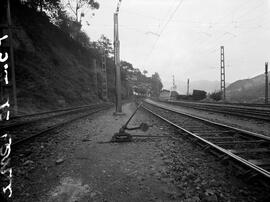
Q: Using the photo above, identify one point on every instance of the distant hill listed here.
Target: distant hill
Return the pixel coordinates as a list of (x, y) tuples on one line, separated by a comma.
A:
[(247, 90)]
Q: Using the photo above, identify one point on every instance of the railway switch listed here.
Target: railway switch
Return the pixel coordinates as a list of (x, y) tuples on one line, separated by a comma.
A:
[(123, 136)]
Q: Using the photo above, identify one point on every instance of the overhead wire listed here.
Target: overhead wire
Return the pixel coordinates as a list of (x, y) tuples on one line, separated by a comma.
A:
[(164, 27), (204, 42)]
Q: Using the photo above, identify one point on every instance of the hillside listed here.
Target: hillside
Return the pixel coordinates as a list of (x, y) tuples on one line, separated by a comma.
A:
[(247, 90), (52, 70)]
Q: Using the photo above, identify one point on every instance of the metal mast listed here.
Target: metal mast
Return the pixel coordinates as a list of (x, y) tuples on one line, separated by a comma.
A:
[(104, 76), (174, 86), (222, 73), (266, 83)]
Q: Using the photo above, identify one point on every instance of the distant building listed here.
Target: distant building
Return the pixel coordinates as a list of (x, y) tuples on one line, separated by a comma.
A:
[(164, 94), (168, 95), (173, 95)]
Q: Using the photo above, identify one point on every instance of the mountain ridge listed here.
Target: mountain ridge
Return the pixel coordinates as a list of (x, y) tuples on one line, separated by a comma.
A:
[(251, 90)]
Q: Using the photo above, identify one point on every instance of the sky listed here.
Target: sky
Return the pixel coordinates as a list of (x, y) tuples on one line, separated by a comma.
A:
[(183, 37)]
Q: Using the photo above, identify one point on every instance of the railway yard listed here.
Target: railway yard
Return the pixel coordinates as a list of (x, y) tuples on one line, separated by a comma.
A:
[(162, 120), (189, 153)]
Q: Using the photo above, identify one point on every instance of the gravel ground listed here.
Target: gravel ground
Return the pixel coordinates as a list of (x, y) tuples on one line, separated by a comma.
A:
[(262, 127), (77, 163)]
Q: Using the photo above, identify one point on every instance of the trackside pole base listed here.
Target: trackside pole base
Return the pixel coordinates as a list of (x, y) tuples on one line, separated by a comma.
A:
[(122, 135), (119, 114)]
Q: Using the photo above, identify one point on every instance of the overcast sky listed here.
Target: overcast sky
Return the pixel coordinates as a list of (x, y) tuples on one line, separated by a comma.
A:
[(183, 37)]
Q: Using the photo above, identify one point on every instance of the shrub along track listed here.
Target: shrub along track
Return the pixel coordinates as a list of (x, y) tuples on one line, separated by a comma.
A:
[(26, 128), (259, 112), (244, 150)]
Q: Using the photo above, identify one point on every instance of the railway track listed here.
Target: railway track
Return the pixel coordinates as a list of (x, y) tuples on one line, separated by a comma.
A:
[(249, 152), (27, 130), (31, 118), (259, 113), (48, 112)]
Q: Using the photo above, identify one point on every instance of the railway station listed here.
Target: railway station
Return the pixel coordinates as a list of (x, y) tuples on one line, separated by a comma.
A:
[(97, 104)]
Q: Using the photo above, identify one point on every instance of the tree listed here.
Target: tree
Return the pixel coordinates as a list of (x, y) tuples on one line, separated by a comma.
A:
[(216, 96), (83, 39), (127, 66), (156, 84), (145, 72), (105, 44), (76, 7), (67, 24), (43, 4), (49, 4)]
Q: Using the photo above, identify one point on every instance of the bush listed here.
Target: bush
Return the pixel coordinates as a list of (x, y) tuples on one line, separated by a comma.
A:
[(216, 96)]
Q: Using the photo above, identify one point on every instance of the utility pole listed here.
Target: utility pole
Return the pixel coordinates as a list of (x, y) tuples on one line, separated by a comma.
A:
[(95, 76), (266, 83), (222, 74), (173, 87), (117, 65), (104, 76), (188, 87)]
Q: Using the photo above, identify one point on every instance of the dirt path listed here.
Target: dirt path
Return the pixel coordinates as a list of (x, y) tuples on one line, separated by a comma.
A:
[(77, 166)]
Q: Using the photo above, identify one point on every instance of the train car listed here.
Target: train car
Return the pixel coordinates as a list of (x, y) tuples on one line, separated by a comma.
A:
[(198, 94)]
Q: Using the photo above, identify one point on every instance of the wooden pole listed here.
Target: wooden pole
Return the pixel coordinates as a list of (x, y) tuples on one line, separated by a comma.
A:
[(95, 76)]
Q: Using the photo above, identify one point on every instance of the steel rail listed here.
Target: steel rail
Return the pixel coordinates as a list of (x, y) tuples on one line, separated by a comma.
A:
[(50, 111), (229, 104), (53, 111), (62, 112), (252, 166), (214, 123)]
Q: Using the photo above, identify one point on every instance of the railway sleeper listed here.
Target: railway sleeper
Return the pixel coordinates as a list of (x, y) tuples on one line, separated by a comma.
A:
[(243, 168), (260, 162), (206, 147), (248, 151), (212, 138), (241, 142), (246, 174)]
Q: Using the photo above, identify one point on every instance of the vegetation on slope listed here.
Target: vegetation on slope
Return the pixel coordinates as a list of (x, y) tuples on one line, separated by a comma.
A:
[(54, 62), (247, 90)]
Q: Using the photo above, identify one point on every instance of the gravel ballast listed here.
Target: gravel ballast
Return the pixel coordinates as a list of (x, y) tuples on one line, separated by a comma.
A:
[(78, 164)]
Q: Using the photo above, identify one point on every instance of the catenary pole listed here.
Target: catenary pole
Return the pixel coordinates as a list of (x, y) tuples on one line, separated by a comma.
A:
[(222, 73), (266, 83)]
